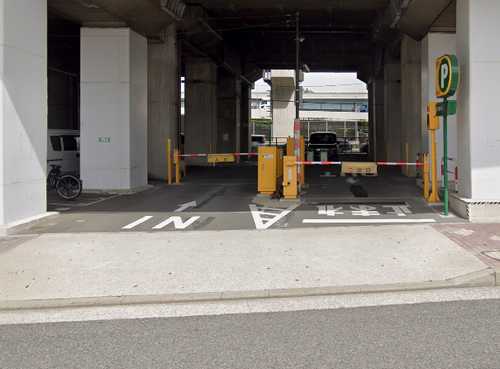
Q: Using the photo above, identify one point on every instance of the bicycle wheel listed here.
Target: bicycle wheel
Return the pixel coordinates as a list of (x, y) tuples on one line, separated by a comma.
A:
[(69, 187)]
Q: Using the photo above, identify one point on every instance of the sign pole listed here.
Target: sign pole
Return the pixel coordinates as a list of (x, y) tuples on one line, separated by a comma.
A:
[(447, 80), (445, 156)]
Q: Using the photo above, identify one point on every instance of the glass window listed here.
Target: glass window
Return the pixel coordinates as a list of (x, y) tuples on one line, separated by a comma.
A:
[(55, 141), (70, 143)]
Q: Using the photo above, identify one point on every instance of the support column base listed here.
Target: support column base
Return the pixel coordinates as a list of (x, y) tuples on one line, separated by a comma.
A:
[(474, 210)]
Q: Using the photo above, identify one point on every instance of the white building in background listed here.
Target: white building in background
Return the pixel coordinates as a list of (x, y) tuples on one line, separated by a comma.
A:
[(342, 108)]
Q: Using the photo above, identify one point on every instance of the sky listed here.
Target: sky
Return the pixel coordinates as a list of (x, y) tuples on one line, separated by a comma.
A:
[(321, 81)]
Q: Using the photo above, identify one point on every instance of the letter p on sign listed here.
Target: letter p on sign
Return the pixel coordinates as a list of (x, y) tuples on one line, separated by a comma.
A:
[(445, 73), (447, 76)]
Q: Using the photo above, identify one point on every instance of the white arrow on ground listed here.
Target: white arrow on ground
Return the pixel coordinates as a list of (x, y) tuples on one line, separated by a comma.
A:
[(187, 205)]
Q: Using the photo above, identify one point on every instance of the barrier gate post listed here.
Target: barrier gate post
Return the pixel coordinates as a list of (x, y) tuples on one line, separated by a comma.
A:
[(432, 126), (290, 180)]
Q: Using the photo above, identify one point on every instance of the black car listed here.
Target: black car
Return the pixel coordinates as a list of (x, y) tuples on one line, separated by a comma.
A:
[(323, 142)]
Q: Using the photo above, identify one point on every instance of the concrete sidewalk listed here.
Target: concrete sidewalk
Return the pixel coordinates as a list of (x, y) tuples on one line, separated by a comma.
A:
[(56, 270)]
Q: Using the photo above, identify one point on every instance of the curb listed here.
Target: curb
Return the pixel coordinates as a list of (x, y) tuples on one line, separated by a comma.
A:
[(484, 278)]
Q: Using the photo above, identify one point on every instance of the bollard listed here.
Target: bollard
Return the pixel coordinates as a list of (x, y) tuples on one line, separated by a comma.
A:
[(169, 161)]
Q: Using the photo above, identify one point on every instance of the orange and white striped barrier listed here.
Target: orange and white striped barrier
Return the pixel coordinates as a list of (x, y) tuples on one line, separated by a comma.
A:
[(379, 163), (399, 164), (237, 154), (319, 162)]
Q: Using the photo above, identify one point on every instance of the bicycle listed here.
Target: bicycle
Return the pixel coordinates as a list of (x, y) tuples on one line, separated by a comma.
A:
[(67, 186)]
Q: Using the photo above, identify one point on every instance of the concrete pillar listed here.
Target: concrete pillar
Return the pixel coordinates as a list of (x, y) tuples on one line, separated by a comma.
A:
[(283, 102), (392, 111), (114, 109), (410, 102), (376, 94), (200, 120), (229, 112), (164, 100), (246, 115), (23, 110), (433, 46), (478, 51)]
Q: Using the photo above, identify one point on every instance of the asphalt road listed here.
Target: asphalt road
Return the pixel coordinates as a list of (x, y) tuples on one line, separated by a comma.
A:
[(437, 335), (213, 203)]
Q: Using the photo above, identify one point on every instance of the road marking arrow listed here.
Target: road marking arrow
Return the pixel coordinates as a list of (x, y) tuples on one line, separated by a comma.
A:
[(187, 205)]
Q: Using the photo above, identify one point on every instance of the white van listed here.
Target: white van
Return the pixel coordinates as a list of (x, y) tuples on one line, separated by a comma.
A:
[(64, 145)]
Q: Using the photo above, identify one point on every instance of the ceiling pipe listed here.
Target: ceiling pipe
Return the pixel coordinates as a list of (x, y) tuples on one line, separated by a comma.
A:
[(209, 27), (390, 18), (174, 8), (399, 9)]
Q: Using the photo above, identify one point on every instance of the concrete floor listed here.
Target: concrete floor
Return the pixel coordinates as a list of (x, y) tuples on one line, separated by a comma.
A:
[(226, 200)]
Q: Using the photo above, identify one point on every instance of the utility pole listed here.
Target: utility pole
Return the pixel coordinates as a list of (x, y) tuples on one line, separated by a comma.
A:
[(297, 65), (296, 123)]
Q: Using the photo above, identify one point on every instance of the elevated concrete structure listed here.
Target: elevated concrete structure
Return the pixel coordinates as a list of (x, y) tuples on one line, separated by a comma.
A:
[(410, 103), (478, 129), (228, 113), (23, 110), (163, 100), (434, 45), (200, 119), (283, 107), (127, 113), (392, 111), (114, 109)]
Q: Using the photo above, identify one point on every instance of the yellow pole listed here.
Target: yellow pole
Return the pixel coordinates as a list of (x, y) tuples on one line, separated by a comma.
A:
[(177, 160), (425, 158), (169, 161), (434, 196)]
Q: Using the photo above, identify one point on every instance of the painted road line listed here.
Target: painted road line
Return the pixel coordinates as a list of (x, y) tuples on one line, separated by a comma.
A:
[(186, 206), (178, 223), (271, 215), (137, 222), (366, 221)]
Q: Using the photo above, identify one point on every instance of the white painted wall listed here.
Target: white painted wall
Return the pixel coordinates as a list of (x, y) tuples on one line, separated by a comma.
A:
[(113, 109), (23, 109), (478, 50), (435, 45)]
